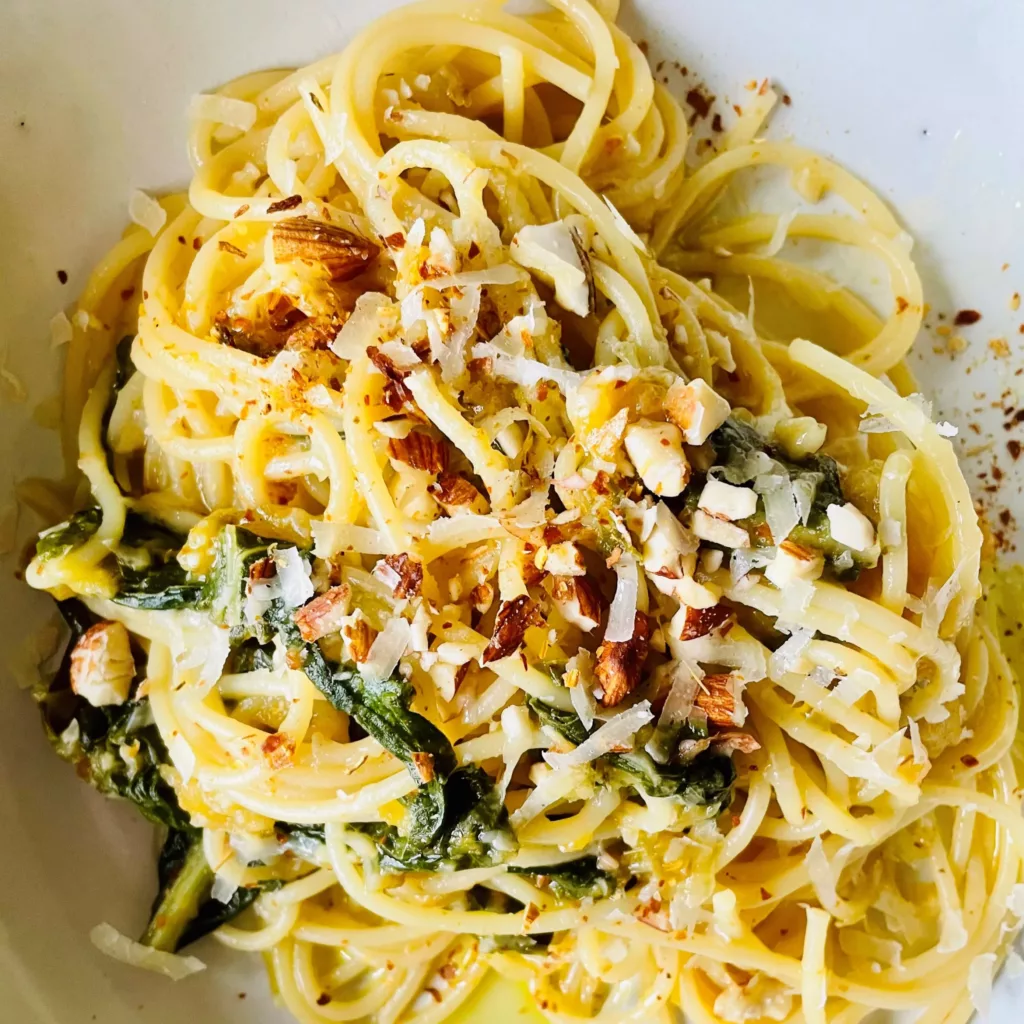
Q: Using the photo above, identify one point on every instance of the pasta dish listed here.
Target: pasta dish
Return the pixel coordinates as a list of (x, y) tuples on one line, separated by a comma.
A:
[(494, 546)]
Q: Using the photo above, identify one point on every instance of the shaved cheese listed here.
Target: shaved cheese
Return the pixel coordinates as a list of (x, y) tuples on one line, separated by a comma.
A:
[(676, 709), (523, 371), (622, 614), (778, 239), (363, 327), (854, 686), (60, 330), (616, 733), (979, 982), (789, 656), (223, 110), (1015, 901), (224, 888), (387, 649), (107, 939), (781, 509), (579, 675), (145, 211), (293, 573), (465, 312), (946, 429), (518, 730), (936, 603), (917, 745), (1014, 964)]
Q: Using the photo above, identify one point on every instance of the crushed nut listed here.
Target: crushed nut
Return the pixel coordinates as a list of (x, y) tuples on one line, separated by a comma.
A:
[(578, 600), (102, 666), (717, 699), (360, 636), (424, 763), (420, 450), (481, 597), (620, 663), (455, 493), (734, 740), (510, 627), (323, 614), (313, 335), (701, 621), (402, 573), (342, 253)]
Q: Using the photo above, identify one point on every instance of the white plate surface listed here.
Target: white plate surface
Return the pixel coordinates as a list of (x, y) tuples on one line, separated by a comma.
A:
[(921, 98)]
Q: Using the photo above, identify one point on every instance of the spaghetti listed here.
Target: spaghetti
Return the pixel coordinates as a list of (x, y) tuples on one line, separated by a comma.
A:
[(470, 585)]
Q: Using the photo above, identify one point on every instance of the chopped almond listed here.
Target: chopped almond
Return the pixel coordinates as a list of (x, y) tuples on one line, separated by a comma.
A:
[(530, 914), (344, 255), (481, 597), (102, 666), (578, 599), (396, 395), (717, 699), (455, 493), (402, 573), (620, 663), (734, 740), (701, 621), (313, 335), (420, 450), (360, 636), (278, 750), (323, 614), (424, 766), (510, 627)]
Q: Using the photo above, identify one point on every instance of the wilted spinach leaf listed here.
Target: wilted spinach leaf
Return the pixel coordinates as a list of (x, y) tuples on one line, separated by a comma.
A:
[(574, 880)]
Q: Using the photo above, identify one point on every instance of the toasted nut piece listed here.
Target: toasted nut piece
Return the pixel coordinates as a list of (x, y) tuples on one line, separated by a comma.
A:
[(794, 561), (561, 558), (313, 335), (656, 450), (396, 395), (701, 621), (510, 627), (733, 740), (402, 573), (359, 636), (424, 763), (726, 501), (481, 597), (696, 409), (323, 615), (102, 666), (278, 750), (717, 699), (849, 526), (420, 450), (620, 663), (456, 494), (579, 601), (719, 531), (344, 254)]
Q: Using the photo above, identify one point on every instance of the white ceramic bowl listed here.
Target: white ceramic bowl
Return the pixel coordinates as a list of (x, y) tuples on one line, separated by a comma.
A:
[(920, 98)]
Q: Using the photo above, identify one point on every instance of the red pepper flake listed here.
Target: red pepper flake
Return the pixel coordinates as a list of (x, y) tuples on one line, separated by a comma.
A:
[(716, 123), (127, 293), (242, 209), (969, 761), (966, 316), (197, 243), (700, 101), (285, 204), (395, 241), (62, 276), (901, 304), (473, 251), (1014, 448), (787, 99)]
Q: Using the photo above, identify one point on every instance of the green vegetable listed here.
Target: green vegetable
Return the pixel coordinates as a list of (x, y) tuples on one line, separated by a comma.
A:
[(573, 881), (705, 781), (150, 575), (72, 533), (818, 475), (473, 830), (525, 944), (382, 709), (184, 910)]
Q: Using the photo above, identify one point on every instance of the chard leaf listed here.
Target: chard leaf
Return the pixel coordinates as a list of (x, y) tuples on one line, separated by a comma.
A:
[(574, 880), (72, 533)]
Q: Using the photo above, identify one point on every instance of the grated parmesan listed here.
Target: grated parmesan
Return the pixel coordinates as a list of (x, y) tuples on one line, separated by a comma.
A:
[(108, 940), (616, 732), (145, 211)]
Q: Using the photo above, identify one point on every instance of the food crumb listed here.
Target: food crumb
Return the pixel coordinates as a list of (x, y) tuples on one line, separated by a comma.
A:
[(1015, 301), (999, 347), (966, 316), (62, 276)]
